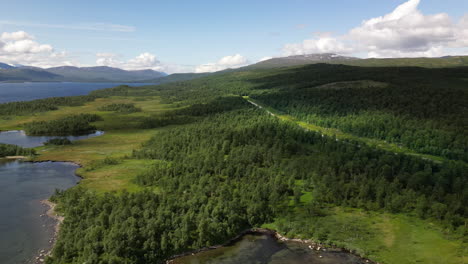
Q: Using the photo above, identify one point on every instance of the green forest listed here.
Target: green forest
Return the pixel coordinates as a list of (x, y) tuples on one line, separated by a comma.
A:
[(216, 164), (237, 169), (224, 166), (70, 125), (121, 108), (13, 150)]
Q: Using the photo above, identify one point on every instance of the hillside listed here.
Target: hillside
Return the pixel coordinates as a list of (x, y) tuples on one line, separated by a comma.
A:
[(104, 73), (178, 77), (302, 60), (28, 74), (448, 61), (5, 66), (76, 74)]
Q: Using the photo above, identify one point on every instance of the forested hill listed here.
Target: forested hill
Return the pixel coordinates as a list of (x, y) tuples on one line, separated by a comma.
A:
[(422, 109)]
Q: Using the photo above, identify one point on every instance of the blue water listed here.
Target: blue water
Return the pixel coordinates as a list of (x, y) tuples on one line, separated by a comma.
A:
[(264, 249), (11, 92), (19, 137), (23, 231)]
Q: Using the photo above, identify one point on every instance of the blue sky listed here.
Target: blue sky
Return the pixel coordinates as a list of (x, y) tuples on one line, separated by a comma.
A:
[(183, 34)]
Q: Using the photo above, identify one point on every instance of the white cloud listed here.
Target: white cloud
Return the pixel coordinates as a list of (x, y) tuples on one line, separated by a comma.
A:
[(18, 35), (405, 32), (143, 61), (21, 48), (233, 61), (26, 46), (107, 59), (265, 58), (317, 45)]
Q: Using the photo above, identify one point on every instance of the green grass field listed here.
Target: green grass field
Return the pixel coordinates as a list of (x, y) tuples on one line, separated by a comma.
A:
[(382, 237), (120, 138)]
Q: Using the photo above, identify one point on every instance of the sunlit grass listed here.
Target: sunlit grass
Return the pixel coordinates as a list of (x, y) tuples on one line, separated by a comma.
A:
[(121, 137), (382, 237)]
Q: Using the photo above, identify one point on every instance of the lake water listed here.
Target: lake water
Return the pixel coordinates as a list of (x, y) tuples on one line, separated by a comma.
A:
[(19, 137), (11, 92), (265, 249), (23, 232)]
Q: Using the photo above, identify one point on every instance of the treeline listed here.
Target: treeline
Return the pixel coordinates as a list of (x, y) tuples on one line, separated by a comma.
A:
[(69, 125), (216, 105), (120, 108), (58, 142), (14, 150), (43, 105), (238, 169), (190, 113)]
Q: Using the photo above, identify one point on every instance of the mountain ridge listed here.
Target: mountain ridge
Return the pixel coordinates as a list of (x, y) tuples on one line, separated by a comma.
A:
[(77, 74), (332, 58)]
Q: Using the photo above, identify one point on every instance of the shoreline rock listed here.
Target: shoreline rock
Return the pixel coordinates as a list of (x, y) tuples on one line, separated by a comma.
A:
[(264, 231), (50, 212)]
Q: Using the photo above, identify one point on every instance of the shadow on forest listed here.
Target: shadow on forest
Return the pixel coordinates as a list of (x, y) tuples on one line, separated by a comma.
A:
[(410, 91)]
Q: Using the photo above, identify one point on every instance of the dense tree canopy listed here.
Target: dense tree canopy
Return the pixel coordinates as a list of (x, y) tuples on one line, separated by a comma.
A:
[(13, 150), (238, 169), (69, 125)]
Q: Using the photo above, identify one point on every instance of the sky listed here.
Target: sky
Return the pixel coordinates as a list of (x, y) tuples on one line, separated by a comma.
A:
[(208, 35)]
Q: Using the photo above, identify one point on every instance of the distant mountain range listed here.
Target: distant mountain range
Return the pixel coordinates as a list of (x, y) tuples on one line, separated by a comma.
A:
[(19, 73), (5, 66), (446, 61), (302, 60), (75, 74)]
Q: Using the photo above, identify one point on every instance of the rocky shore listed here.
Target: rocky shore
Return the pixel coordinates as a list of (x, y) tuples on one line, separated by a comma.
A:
[(50, 212), (312, 245)]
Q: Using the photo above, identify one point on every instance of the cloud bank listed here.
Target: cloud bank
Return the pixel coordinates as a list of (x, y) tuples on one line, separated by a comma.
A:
[(21, 48), (405, 32), (144, 61)]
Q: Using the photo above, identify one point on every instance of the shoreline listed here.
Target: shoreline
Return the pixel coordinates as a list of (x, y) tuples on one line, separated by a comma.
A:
[(312, 245), (52, 214)]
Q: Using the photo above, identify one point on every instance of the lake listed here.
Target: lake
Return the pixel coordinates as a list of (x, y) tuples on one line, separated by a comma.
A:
[(23, 231), (11, 92), (19, 137), (22, 186), (266, 249)]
